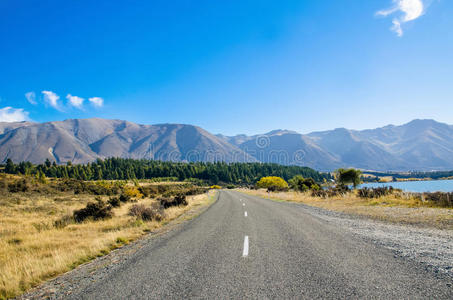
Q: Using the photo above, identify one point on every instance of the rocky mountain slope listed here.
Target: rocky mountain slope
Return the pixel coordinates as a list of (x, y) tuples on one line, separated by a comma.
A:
[(417, 145), (82, 141)]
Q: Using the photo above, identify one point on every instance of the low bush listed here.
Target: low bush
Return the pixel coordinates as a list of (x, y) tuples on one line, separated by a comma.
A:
[(98, 210), (64, 221), (187, 190), (132, 192), (375, 192), (125, 198), (147, 213), (275, 188), (194, 191), (84, 187), (439, 198), (178, 200), (22, 185), (114, 201), (301, 184), (150, 191), (339, 190)]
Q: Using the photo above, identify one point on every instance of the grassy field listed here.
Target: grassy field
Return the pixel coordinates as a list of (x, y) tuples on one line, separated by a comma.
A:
[(396, 208), (33, 248)]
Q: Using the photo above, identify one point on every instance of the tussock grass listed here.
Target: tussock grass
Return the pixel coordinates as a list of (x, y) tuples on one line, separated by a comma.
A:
[(34, 247), (395, 208)]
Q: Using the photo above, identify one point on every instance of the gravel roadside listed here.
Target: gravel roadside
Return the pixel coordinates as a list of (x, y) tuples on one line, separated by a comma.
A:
[(430, 246)]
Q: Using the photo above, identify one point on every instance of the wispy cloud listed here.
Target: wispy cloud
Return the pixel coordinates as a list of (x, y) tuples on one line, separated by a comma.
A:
[(75, 101), (9, 114), (52, 99), (31, 97), (97, 101), (407, 10)]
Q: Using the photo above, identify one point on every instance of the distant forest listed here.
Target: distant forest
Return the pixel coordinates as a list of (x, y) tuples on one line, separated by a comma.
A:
[(124, 169), (418, 175)]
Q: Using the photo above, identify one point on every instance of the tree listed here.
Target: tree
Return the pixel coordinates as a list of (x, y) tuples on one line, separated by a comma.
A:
[(348, 176), (272, 183), (10, 167), (48, 163), (301, 184)]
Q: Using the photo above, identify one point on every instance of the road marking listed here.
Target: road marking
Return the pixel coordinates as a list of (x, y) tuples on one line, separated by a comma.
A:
[(245, 253), (245, 214), (243, 204)]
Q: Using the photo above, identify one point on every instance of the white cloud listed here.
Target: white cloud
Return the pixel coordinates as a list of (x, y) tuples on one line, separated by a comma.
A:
[(31, 97), (52, 99), (9, 114), (75, 101), (409, 10), (97, 101)]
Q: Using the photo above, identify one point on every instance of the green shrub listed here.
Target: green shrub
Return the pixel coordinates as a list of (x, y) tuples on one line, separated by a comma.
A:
[(83, 187), (146, 213), (439, 198), (301, 184), (124, 198), (64, 221), (194, 191), (22, 185), (178, 200), (150, 191), (331, 192), (375, 192), (98, 210), (114, 201)]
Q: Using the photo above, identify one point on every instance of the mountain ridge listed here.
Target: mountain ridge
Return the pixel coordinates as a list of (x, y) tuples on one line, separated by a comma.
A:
[(421, 144)]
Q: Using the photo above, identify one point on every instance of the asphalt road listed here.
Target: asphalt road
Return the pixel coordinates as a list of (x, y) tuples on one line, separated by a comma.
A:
[(249, 247)]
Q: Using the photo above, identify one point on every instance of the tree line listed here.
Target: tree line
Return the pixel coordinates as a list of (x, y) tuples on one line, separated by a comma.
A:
[(126, 169), (414, 174)]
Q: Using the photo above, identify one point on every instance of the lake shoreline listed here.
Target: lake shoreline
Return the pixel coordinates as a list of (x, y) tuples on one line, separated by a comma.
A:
[(415, 186)]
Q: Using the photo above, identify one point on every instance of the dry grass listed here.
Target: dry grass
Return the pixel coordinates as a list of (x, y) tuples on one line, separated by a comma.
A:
[(393, 208), (33, 250)]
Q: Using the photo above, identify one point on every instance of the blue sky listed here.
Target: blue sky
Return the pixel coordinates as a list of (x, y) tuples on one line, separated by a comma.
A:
[(228, 66)]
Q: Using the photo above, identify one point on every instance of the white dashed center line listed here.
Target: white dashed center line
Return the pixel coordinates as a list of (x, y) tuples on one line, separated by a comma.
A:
[(245, 253), (243, 204), (245, 214)]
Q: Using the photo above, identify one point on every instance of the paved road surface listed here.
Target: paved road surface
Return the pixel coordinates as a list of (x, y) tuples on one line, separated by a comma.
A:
[(249, 247)]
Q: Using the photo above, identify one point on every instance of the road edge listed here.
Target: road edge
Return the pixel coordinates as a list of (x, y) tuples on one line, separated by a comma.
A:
[(65, 282)]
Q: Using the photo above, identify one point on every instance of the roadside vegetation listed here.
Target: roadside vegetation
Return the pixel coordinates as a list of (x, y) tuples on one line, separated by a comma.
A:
[(382, 203), (49, 226)]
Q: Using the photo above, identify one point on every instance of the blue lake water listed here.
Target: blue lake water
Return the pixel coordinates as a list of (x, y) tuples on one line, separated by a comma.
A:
[(416, 186)]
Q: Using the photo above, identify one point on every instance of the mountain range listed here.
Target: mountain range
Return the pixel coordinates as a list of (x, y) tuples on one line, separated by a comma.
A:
[(421, 145)]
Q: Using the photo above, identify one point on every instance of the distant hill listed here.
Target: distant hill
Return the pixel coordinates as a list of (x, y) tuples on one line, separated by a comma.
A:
[(421, 145), (85, 140)]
